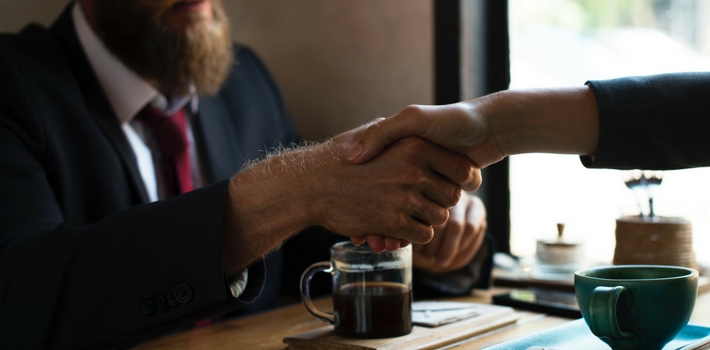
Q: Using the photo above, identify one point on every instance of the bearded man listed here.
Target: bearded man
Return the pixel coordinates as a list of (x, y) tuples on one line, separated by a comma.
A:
[(122, 128)]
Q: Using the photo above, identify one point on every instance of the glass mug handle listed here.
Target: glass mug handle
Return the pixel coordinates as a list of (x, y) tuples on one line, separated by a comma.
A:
[(603, 307), (323, 266)]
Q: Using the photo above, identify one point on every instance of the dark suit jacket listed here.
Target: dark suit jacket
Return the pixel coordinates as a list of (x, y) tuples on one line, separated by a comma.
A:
[(79, 247), (653, 122)]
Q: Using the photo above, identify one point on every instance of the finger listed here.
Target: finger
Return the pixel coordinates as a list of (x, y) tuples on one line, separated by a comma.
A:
[(358, 241), (403, 243), (410, 121), (356, 134), (473, 241), (475, 182), (465, 255), (432, 247), (428, 213), (391, 244), (412, 230), (376, 243), (476, 216), (455, 230), (441, 191), (455, 167)]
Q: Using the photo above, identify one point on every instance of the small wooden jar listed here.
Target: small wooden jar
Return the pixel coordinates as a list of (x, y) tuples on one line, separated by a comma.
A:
[(667, 241)]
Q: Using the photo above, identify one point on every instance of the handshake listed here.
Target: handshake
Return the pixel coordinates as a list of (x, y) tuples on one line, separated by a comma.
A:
[(464, 137)]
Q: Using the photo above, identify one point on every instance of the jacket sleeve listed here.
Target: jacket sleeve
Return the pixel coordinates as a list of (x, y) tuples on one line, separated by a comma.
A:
[(657, 122)]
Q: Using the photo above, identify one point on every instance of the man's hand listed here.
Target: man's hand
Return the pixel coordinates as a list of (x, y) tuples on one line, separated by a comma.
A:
[(400, 195), (457, 241)]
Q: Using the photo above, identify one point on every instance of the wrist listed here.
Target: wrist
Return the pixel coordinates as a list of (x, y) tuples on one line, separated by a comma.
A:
[(561, 120), (266, 203)]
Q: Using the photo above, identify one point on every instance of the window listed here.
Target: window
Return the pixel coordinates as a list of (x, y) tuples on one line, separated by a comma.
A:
[(565, 43)]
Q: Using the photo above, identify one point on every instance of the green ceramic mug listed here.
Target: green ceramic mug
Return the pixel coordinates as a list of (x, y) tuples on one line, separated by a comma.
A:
[(636, 306)]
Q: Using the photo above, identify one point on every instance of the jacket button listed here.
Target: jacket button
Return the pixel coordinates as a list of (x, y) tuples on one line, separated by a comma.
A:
[(161, 304), (183, 294), (170, 297), (148, 307)]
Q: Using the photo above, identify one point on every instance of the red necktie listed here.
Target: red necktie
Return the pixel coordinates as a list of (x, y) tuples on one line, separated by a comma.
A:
[(171, 133)]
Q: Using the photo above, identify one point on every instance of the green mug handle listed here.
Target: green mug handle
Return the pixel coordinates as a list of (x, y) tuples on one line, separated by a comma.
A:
[(603, 307)]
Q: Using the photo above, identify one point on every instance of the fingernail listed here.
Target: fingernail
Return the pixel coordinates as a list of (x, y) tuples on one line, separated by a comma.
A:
[(354, 151)]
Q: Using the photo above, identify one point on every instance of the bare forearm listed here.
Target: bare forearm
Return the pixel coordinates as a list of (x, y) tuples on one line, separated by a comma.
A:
[(262, 209), (562, 120), (400, 195), (489, 128)]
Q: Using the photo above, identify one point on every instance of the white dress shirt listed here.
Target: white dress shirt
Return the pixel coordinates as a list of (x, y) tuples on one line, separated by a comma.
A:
[(128, 94)]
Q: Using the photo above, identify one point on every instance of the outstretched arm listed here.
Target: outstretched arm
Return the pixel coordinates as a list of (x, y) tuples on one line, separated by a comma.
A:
[(487, 129)]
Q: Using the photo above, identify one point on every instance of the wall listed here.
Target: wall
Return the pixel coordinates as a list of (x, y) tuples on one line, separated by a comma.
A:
[(342, 63), (15, 14), (339, 63)]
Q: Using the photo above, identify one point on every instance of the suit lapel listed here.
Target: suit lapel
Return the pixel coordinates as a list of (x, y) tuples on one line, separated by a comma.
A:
[(96, 101), (220, 146)]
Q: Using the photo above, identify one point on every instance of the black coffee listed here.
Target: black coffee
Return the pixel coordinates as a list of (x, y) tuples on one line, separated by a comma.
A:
[(373, 310)]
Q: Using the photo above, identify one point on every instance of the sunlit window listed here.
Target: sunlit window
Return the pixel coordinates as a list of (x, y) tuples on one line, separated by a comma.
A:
[(565, 43)]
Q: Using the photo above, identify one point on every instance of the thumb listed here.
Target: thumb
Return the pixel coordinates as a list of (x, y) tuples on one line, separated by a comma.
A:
[(408, 122)]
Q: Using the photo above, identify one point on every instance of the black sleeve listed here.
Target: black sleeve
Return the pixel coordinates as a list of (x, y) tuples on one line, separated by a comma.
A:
[(658, 122)]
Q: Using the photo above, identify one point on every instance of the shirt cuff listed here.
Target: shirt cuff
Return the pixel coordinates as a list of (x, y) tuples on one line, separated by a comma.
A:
[(238, 282)]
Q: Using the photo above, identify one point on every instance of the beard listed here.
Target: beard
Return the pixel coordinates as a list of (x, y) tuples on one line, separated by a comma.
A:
[(200, 55)]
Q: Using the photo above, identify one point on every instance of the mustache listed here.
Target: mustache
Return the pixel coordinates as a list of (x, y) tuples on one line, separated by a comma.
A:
[(159, 7), (163, 5)]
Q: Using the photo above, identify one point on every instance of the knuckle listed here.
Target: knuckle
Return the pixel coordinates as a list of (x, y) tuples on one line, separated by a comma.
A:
[(427, 235), (451, 196), (411, 175), (465, 172), (397, 223), (374, 130), (412, 111), (413, 145), (439, 217)]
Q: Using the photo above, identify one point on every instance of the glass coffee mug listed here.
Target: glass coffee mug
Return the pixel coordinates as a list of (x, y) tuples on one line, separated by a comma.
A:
[(372, 293)]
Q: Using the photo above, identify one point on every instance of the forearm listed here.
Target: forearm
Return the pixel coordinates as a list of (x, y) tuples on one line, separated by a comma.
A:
[(560, 120), (264, 206)]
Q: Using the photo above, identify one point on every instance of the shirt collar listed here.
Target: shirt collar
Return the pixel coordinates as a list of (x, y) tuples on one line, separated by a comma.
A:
[(127, 92)]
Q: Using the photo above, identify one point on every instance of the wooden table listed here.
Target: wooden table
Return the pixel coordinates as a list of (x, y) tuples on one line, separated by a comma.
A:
[(267, 330)]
